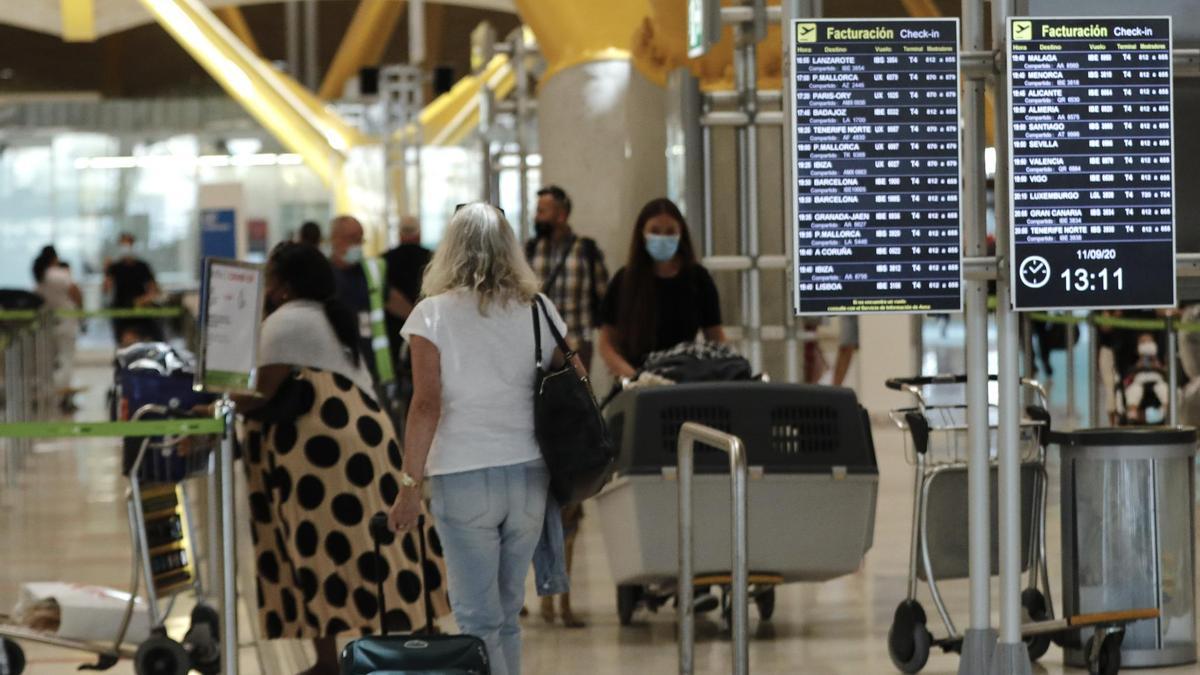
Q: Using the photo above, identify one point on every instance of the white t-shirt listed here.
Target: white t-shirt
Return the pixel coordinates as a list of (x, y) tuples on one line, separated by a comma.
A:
[(299, 334), (55, 289), (487, 380)]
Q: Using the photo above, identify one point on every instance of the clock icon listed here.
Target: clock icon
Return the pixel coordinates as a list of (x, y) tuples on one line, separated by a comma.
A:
[(1035, 271)]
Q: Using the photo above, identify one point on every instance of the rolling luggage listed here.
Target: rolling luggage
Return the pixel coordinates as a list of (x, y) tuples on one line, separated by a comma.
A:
[(421, 653)]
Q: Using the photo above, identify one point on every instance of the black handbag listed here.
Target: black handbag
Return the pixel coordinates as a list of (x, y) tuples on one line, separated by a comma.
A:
[(570, 430)]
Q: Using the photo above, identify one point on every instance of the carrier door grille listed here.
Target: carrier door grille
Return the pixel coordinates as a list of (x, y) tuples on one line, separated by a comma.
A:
[(804, 430), (674, 417)]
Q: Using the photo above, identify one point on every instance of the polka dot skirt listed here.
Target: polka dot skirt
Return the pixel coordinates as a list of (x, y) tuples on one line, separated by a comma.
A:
[(315, 482)]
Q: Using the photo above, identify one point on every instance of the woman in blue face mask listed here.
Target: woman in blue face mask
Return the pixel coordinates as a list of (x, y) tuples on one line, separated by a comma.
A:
[(662, 297)]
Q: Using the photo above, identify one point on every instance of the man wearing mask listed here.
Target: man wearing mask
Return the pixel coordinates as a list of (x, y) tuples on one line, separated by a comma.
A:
[(363, 286), (129, 283), (571, 268)]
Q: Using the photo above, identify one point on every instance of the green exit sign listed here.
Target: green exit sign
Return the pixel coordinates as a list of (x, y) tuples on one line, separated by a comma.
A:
[(697, 37)]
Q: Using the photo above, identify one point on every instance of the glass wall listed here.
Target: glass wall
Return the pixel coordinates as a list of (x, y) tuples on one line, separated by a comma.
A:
[(78, 191)]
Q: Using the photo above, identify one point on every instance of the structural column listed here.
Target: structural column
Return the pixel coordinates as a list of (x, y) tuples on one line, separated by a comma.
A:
[(1011, 656), (979, 641)]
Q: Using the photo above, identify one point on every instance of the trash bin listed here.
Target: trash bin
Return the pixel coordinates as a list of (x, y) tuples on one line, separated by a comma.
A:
[(1128, 536)]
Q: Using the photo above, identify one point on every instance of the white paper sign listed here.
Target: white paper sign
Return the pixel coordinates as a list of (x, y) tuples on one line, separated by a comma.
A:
[(232, 314)]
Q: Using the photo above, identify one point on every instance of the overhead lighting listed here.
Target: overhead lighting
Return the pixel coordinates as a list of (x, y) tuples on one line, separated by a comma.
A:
[(989, 162), (183, 162)]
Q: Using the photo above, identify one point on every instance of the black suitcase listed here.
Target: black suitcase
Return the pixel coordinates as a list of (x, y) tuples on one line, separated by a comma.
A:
[(422, 653)]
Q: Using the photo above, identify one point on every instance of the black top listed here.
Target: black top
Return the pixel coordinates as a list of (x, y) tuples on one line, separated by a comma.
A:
[(405, 267), (687, 303), (130, 281)]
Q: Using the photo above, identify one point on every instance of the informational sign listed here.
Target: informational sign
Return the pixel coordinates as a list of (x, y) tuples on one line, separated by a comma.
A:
[(875, 143), (703, 26), (229, 326), (218, 233), (1093, 212)]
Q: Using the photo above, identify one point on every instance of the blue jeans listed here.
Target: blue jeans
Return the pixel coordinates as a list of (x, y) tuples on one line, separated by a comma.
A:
[(490, 521)]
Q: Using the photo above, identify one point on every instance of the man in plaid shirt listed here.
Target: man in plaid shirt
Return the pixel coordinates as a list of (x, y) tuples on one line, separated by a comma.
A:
[(571, 268)]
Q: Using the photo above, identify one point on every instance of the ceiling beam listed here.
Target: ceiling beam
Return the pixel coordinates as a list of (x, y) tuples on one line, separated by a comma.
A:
[(232, 17), (78, 20), (921, 8), (363, 44)]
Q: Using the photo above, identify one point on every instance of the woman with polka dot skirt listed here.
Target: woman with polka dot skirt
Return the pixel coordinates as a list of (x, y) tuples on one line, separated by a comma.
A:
[(470, 425), (321, 457)]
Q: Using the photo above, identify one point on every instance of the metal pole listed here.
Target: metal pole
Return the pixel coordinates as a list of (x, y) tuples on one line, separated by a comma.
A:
[(311, 35), (689, 435), (979, 641), (754, 274), (1011, 656), (1173, 371), (522, 94), (291, 29), (706, 160), (1095, 396), (229, 608), (1072, 336)]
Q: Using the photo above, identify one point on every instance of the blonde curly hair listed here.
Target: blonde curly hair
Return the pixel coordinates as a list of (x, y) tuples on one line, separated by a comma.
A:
[(480, 253)]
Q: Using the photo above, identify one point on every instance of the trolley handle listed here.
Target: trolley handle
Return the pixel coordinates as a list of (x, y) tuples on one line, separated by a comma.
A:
[(907, 383)]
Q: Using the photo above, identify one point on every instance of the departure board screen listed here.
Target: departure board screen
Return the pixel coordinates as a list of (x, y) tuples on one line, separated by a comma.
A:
[(875, 147), (1091, 163)]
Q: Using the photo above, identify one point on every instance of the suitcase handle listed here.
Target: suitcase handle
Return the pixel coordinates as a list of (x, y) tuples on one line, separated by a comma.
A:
[(383, 535)]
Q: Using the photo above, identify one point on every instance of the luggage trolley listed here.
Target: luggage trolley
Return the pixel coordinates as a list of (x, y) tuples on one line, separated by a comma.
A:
[(162, 537), (937, 444), (810, 454)]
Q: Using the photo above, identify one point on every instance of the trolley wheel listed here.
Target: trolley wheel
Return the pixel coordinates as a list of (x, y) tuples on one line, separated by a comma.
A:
[(15, 664), (908, 639), (160, 655), (765, 602), (628, 597), (203, 640), (1034, 604), (1109, 660)]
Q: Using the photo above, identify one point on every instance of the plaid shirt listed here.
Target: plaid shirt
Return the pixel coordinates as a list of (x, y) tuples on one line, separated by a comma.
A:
[(579, 288)]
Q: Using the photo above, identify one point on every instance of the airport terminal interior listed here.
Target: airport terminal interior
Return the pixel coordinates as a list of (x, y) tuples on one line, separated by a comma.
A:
[(887, 317)]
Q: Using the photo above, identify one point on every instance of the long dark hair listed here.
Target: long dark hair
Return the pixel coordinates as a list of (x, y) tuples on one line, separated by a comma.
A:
[(638, 325), (307, 275), (45, 259)]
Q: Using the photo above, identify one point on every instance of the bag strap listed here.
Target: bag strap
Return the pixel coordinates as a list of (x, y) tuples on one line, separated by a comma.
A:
[(568, 353), (537, 337), (562, 263)]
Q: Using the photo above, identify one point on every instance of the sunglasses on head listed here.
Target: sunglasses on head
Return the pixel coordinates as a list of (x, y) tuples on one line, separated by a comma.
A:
[(458, 208)]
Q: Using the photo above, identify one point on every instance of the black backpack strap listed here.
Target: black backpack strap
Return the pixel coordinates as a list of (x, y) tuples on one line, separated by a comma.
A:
[(558, 338), (537, 333), (562, 263)]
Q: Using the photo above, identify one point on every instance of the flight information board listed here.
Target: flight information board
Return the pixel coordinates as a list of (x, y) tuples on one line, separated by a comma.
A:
[(875, 146), (1091, 163)]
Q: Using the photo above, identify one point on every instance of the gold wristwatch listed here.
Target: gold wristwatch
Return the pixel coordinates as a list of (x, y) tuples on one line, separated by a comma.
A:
[(408, 481)]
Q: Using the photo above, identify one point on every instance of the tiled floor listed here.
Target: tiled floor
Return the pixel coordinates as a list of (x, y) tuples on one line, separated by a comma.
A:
[(66, 520)]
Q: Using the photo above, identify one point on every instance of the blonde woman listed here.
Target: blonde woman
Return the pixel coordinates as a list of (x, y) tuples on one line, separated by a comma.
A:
[(470, 425)]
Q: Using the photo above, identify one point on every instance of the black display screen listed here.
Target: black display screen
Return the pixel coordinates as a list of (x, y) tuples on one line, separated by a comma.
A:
[(876, 156), (1092, 168)]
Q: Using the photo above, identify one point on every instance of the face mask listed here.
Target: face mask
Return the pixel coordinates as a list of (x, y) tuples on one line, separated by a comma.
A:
[(1154, 415), (662, 247), (1147, 349), (353, 256), (542, 228)]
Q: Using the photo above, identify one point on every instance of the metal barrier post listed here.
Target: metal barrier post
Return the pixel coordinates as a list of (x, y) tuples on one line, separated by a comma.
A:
[(1095, 396), (1072, 334), (1173, 371), (229, 630), (689, 435)]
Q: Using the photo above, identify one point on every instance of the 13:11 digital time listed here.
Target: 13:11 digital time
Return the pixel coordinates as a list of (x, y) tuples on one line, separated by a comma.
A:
[(1101, 280)]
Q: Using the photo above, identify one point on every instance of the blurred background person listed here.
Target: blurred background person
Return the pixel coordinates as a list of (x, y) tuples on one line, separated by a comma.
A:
[(130, 284), (405, 267), (310, 234), (570, 267), (57, 288)]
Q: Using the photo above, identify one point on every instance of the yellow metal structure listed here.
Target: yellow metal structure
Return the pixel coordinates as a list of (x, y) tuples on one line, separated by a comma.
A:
[(660, 46), (233, 17), (451, 116), (363, 44), (578, 31), (78, 20), (256, 86)]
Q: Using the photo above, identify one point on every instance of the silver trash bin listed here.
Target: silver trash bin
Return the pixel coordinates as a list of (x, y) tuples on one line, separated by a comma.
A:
[(1128, 536)]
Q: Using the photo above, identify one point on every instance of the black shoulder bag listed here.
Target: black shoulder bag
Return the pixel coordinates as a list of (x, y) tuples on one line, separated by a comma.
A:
[(570, 430)]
